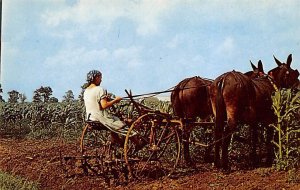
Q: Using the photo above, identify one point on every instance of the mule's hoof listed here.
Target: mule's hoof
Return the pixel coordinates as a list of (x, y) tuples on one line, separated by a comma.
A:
[(217, 164), (191, 164), (254, 165), (226, 170), (208, 159)]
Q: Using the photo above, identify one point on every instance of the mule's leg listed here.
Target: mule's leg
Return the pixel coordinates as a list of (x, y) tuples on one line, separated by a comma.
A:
[(218, 143), (219, 111), (253, 140), (232, 114), (218, 131), (186, 149), (225, 145)]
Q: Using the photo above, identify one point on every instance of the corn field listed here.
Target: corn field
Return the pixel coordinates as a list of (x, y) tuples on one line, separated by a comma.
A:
[(65, 120), (41, 120), (48, 120)]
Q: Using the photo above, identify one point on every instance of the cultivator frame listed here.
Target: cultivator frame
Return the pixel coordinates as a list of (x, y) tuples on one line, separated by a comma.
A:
[(158, 134)]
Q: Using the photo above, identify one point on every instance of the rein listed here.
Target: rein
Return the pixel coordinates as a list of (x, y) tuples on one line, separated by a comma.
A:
[(161, 92), (166, 91)]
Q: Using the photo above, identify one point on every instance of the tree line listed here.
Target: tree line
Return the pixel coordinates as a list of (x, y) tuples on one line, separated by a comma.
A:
[(42, 94)]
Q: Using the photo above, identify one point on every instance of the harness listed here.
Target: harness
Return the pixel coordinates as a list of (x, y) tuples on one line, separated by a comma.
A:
[(270, 78)]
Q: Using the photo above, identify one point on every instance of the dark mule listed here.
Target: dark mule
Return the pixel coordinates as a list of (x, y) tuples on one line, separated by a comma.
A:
[(190, 99), (238, 99), (257, 71), (283, 75)]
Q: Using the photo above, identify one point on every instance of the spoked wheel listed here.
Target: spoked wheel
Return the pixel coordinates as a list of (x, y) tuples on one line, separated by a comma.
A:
[(96, 149), (154, 150)]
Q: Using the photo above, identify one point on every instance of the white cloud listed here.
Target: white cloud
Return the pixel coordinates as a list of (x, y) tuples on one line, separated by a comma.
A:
[(198, 59), (8, 53), (91, 16), (226, 47), (146, 14), (175, 41), (242, 10), (128, 56), (71, 64), (77, 56)]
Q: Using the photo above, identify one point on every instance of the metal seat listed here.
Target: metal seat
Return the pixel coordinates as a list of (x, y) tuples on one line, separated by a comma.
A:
[(96, 125)]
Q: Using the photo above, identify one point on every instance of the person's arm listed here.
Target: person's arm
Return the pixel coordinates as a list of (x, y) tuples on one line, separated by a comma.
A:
[(106, 104)]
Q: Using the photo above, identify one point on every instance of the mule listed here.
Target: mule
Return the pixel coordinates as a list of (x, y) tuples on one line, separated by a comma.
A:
[(256, 71), (190, 99), (283, 75), (238, 99)]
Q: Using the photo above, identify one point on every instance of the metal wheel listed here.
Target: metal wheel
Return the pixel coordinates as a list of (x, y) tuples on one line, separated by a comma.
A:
[(155, 149), (96, 149)]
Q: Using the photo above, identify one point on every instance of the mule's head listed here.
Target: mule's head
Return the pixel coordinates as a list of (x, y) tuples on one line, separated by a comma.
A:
[(257, 71), (283, 75)]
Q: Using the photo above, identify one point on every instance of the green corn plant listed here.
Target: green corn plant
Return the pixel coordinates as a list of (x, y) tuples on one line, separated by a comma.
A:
[(286, 106), (165, 106), (41, 120)]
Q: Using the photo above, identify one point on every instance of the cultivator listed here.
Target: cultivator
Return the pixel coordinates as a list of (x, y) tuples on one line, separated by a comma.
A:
[(95, 165), (157, 152)]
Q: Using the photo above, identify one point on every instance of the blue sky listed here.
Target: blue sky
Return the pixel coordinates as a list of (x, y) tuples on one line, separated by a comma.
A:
[(142, 45)]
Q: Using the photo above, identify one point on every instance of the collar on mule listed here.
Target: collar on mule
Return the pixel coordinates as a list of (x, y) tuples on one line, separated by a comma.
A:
[(271, 79)]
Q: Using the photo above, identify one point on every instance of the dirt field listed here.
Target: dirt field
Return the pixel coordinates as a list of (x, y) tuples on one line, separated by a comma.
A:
[(39, 161)]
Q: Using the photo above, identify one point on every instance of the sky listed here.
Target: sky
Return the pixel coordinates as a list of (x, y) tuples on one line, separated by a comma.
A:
[(141, 45)]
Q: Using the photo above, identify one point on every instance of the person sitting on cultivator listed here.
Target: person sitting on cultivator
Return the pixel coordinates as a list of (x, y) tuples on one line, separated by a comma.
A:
[(97, 101)]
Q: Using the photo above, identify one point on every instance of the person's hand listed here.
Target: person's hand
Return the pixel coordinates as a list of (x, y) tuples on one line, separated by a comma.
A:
[(118, 99)]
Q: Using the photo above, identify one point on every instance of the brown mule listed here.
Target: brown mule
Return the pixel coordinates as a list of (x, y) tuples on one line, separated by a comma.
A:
[(239, 99), (190, 99), (257, 71)]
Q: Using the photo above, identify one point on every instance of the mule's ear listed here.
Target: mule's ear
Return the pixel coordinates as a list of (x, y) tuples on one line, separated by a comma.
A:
[(253, 66), (277, 61), (260, 66), (270, 74), (289, 60)]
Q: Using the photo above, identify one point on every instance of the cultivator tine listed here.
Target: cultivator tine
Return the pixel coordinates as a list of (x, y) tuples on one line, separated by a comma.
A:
[(62, 163), (84, 166)]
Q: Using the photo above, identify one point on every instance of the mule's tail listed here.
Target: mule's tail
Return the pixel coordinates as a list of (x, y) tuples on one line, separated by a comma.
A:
[(220, 107), (220, 113)]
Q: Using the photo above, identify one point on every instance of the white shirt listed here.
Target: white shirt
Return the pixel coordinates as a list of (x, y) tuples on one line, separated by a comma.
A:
[(92, 97)]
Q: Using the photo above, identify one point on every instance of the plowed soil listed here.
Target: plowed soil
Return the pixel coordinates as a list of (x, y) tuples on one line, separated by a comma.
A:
[(39, 160)]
